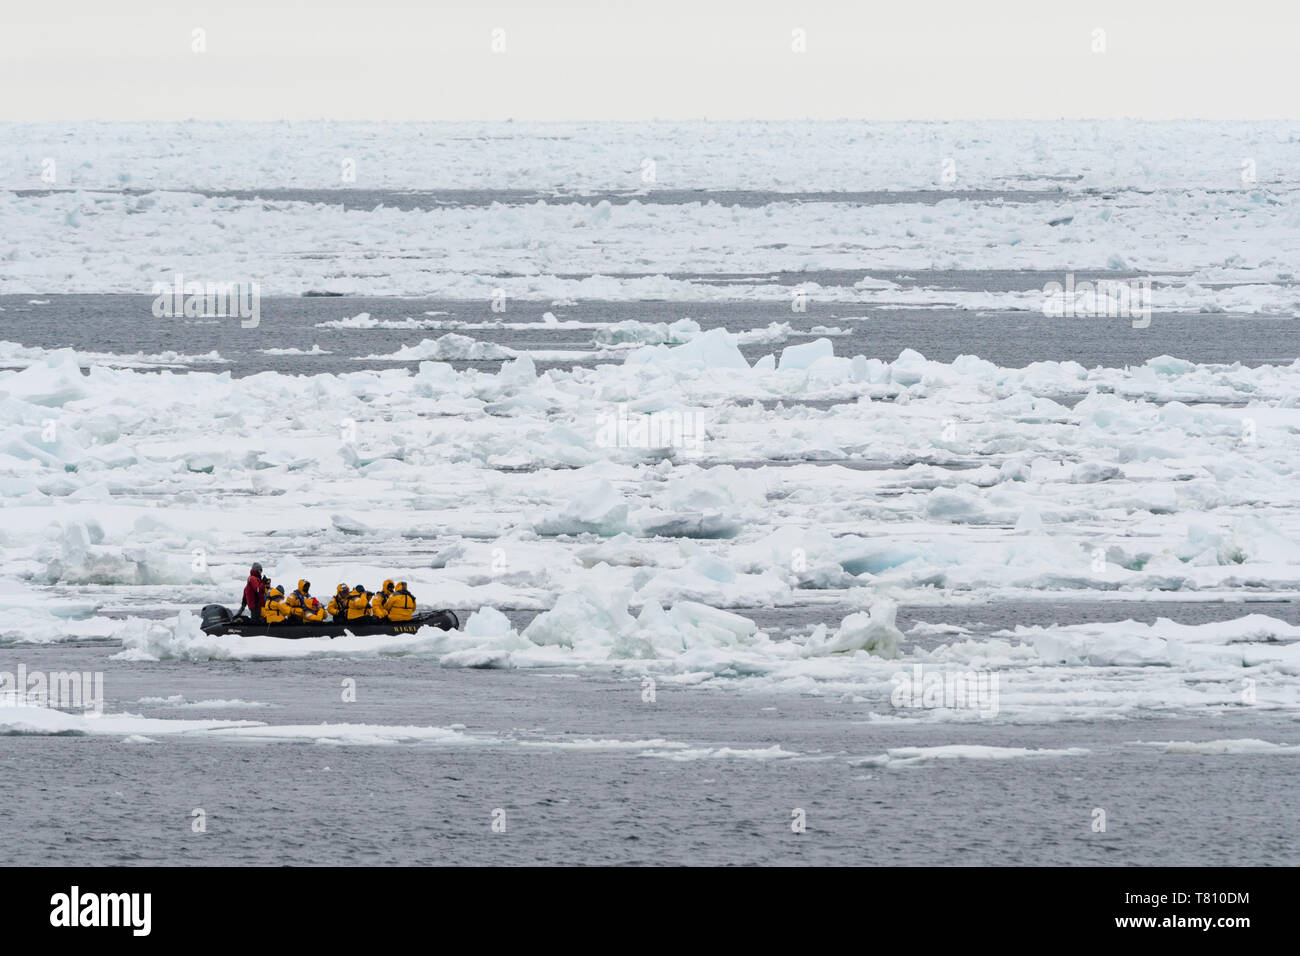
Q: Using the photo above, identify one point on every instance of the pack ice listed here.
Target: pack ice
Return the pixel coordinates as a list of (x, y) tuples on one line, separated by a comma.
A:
[(834, 487)]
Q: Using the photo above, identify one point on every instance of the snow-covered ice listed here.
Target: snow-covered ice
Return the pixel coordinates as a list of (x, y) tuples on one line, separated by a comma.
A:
[(655, 560)]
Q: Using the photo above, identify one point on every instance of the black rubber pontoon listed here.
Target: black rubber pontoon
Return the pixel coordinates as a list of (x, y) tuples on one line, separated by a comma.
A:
[(217, 620)]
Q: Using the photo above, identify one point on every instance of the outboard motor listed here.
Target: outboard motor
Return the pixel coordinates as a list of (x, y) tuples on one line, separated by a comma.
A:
[(214, 618)]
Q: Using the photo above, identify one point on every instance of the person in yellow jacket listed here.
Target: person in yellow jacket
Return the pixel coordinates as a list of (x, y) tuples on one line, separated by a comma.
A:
[(338, 606), (275, 611), (315, 611), (358, 603), (379, 603), (401, 604), (304, 607)]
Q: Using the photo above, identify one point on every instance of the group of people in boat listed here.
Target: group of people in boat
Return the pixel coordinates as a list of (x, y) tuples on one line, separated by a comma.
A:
[(392, 602)]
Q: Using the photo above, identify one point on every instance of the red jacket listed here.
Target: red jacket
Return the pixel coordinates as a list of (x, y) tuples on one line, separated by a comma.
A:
[(254, 593)]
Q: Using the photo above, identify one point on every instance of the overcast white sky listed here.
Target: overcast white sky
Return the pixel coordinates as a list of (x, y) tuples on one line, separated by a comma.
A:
[(634, 59)]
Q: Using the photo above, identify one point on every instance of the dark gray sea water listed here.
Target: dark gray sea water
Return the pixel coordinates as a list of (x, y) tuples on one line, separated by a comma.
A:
[(86, 800), (352, 197), (95, 800), (125, 324)]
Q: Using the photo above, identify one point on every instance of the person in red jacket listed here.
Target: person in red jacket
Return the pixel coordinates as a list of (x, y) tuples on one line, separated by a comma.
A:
[(254, 593)]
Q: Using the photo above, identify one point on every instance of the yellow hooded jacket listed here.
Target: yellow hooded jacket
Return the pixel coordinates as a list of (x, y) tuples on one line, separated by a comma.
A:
[(275, 610), (358, 603), (300, 604), (315, 611), (378, 604), (338, 605), (400, 604)]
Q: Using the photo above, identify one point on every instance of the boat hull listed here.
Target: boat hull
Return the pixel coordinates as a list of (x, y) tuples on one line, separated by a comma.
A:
[(218, 621)]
